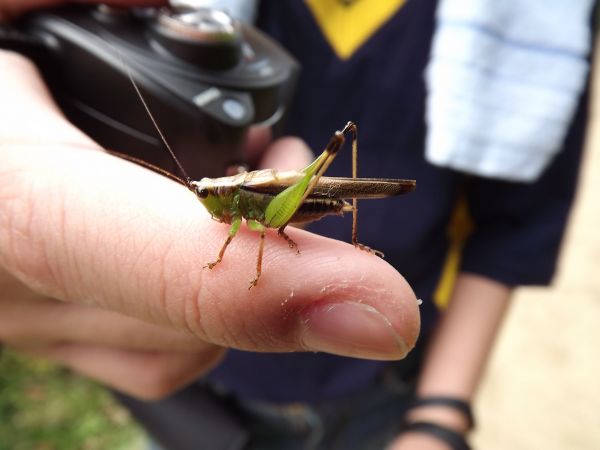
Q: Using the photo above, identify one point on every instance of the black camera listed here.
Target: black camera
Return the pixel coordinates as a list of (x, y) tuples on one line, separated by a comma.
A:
[(206, 78)]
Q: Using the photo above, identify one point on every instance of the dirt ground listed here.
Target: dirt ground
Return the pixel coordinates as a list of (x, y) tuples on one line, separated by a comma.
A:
[(542, 388)]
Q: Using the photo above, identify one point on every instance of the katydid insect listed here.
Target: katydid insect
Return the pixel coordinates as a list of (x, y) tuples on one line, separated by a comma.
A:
[(273, 199)]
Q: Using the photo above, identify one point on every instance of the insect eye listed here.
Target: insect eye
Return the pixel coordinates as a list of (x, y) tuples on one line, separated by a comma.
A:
[(202, 193)]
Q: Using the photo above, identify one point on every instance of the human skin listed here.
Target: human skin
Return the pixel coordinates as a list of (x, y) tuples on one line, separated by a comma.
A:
[(457, 354), (101, 262)]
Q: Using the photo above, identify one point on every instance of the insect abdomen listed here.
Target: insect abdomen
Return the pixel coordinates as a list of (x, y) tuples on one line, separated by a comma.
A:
[(315, 208)]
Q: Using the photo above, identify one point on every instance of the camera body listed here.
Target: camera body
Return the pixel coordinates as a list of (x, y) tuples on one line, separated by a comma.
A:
[(205, 77)]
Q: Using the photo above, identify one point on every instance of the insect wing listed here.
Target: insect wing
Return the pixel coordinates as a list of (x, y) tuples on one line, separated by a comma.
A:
[(362, 188), (272, 182)]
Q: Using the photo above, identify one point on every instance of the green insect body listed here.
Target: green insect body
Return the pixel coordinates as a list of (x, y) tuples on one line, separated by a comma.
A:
[(273, 199), (225, 203)]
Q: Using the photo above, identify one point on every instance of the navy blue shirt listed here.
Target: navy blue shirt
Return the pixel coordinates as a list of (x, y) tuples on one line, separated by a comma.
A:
[(518, 227)]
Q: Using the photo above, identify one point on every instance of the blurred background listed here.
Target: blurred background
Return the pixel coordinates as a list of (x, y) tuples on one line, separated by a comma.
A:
[(542, 388)]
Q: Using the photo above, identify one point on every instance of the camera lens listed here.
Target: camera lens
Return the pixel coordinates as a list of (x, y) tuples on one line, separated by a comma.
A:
[(205, 25), (208, 37)]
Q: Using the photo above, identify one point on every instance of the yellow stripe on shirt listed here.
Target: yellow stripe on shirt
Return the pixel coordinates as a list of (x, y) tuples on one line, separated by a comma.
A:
[(348, 26)]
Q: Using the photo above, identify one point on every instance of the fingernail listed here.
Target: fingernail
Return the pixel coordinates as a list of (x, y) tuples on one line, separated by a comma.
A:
[(351, 329)]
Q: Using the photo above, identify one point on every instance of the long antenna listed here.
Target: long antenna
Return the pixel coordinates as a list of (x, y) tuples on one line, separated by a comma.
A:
[(162, 137)]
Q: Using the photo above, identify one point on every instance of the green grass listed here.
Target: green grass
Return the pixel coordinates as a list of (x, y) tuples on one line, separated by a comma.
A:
[(45, 407)]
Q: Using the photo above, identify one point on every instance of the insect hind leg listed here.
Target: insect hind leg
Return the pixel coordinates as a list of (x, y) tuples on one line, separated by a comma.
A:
[(288, 239), (366, 248), (352, 128)]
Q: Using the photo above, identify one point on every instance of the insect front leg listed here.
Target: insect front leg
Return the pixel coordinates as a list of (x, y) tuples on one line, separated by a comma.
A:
[(235, 226)]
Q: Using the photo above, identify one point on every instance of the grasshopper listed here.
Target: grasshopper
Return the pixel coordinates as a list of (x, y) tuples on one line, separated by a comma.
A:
[(273, 199)]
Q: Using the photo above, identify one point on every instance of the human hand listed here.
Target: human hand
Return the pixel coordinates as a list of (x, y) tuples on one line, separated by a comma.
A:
[(101, 266), (422, 441)]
